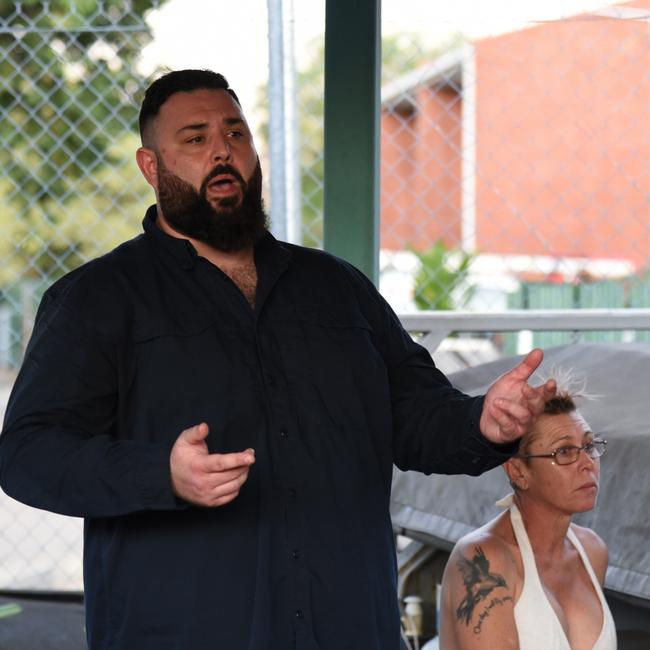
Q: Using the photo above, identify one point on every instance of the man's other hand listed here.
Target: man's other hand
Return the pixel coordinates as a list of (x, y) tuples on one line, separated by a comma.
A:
[(511, 405), (203, 478)]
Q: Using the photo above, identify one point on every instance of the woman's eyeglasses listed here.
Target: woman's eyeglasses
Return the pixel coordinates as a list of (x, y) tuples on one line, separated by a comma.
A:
[(567, 455)]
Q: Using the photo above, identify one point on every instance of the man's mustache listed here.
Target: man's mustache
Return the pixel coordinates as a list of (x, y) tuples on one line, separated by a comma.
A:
[(223, 169)]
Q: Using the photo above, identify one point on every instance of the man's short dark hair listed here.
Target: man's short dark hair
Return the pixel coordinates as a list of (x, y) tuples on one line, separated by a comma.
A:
[(178, 81)]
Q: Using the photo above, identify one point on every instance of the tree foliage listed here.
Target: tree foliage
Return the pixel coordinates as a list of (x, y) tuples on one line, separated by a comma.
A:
[(440, 283), (66, 98)]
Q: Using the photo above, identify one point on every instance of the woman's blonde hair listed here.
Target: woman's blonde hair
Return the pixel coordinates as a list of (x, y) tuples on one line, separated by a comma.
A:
[(570, 388)]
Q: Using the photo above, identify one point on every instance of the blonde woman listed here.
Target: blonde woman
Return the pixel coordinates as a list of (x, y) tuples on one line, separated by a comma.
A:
[(531, 579)]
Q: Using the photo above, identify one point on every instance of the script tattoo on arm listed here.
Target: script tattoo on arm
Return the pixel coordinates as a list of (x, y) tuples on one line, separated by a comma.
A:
[(479, 584)]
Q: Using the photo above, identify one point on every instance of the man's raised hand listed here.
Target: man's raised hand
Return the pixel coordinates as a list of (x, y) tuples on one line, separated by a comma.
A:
[(511, 404)]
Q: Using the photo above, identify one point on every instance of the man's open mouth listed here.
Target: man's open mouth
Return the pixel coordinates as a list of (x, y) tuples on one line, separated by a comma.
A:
[(223, 182)]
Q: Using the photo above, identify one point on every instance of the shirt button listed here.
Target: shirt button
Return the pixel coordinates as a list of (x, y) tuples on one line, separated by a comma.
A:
[(292, 493), (284, 435), (295, 554), (300, 614)]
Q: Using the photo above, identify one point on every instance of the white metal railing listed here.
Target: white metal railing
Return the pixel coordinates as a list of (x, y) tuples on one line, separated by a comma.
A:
[(435, 326)]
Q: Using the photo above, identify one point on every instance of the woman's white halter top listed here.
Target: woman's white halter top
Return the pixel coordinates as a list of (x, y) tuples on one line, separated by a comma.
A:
[(537, 624)]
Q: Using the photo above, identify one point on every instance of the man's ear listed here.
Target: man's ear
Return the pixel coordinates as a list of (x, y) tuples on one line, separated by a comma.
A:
[(148, 164)]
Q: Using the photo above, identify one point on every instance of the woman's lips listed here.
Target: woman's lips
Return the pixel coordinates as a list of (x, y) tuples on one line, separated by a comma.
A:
[(589, 486)]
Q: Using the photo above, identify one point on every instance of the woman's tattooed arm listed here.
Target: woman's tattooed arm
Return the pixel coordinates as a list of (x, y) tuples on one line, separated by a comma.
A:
[(478, 597), (480, 585)]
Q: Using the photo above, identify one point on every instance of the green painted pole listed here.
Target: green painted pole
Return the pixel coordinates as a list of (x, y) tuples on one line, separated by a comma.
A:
[(352, 96)]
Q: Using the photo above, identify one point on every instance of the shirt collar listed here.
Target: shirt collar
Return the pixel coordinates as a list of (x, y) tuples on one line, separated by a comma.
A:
[(181, 249), (272, 252), (268, 250), (271, 260)]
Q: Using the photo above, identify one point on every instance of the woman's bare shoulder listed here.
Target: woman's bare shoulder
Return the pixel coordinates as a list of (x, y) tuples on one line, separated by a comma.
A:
[(478, 591), (595, 548), (491, 545), (497, 533)]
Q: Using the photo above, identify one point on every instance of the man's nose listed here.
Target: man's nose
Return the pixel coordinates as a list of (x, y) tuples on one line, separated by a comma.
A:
[(221, 150)]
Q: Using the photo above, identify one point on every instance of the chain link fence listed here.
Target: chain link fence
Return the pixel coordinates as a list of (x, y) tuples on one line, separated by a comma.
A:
[(515, 168), (69, 191), (514, 164), (514, 174)]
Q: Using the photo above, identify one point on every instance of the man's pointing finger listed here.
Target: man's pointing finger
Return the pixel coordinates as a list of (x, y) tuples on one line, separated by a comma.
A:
[(225, 462)]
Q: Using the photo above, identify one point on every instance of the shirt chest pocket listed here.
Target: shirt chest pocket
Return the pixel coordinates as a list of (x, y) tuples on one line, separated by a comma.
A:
[(194, 359), (339, 344)]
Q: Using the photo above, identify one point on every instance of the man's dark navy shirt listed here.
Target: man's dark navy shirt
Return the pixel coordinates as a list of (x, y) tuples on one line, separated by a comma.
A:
[(320, 379)]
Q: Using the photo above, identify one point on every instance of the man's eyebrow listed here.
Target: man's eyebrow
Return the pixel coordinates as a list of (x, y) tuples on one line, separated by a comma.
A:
[(200, 126)]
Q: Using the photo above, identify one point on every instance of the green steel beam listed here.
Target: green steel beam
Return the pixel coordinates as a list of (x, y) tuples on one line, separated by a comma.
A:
[(352, 71)]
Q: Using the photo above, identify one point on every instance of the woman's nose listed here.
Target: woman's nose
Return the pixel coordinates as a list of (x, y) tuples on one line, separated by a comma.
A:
[(586, 459)]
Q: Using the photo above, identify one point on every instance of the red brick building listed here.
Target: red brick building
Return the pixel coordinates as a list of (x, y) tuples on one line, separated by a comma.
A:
[(532, 144)]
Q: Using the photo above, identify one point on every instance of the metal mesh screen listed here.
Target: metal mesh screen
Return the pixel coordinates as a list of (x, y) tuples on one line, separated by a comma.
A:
[(311, 80), (514, 170), (69, 190), (517, 163)]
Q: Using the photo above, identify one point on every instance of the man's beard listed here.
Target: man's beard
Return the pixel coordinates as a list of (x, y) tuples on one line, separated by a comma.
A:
[(227, 228)]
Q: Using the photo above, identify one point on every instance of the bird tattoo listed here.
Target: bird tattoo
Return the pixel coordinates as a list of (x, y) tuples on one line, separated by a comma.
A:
[(479, 582)]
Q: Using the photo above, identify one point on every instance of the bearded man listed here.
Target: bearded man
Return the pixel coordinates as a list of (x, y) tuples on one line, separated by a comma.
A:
[(224, 410)]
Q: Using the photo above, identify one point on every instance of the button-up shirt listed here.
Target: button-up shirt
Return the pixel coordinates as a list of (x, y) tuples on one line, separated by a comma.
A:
[(319, 378)]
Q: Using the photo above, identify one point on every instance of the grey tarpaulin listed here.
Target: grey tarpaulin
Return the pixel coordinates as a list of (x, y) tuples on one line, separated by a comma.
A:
[(443, 508)]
